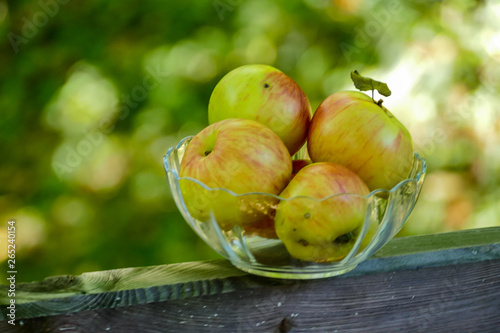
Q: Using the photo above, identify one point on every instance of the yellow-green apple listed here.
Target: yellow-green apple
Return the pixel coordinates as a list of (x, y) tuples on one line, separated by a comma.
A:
[(351, 129), (238, 155), (267, 95), (323, 213)]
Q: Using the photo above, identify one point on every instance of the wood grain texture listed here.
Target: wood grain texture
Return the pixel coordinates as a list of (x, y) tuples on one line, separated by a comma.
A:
[(455, 298), (121, 279), (128, 294), (440, 241)]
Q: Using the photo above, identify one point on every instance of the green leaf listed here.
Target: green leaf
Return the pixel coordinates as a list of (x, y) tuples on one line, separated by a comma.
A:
[(366, 83)]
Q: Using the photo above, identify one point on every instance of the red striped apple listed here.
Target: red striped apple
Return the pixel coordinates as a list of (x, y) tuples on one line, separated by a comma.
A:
[(351, 129), (265, 228), (297, 165), (323, 217), (241, 156), (267, 95)]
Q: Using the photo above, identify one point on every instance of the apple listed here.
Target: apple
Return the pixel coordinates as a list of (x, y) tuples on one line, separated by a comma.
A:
[(351, 129), (263, 228), (237, 155), (297, 165), (324, 212), (267, 95)]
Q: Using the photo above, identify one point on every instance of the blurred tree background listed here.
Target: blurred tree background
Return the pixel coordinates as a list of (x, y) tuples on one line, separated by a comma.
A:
[(93, 93)]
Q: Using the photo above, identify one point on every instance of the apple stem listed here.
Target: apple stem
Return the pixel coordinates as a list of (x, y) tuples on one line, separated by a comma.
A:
[(380, 101)]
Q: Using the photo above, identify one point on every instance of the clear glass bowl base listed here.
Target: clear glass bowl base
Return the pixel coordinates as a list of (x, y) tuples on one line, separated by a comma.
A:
[(292, 273)]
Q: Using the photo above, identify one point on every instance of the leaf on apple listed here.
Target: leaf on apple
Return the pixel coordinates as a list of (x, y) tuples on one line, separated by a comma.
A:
[(365, 83)]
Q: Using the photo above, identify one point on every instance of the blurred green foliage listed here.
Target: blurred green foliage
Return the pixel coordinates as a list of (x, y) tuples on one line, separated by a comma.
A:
[(93, 93)]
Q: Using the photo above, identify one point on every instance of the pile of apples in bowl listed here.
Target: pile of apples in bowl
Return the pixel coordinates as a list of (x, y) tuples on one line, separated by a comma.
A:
[(283, 193)]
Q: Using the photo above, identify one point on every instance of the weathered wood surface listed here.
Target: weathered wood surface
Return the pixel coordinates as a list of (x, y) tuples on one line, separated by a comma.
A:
[(434, 283)]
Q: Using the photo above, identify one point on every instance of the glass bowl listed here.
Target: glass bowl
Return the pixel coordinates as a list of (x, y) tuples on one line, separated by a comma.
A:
[(256, 248)]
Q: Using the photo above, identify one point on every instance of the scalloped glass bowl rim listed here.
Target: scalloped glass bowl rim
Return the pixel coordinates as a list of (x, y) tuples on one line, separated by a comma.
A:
[(372, 193)]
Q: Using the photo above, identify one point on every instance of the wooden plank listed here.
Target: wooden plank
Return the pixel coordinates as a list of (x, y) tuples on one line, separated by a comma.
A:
[(440, 241), (121, 279), (456, 298), (144, 277), (188, 281), (142, 293)]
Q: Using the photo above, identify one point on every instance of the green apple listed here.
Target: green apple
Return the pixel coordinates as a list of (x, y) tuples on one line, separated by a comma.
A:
[(351, 129), (239, 155), (267, 95), (322, 211)]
